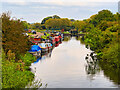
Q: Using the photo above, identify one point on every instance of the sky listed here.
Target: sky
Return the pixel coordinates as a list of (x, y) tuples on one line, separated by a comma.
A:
[(36, 10)]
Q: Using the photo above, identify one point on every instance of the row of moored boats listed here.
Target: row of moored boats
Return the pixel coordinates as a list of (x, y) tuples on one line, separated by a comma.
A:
[(42, 46)]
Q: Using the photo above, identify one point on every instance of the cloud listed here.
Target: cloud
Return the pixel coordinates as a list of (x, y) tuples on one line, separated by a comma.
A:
[(45, 7), (60, 2)]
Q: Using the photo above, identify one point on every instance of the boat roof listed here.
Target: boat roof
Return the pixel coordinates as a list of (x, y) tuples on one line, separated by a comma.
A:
[(42, 44), (34, 48)]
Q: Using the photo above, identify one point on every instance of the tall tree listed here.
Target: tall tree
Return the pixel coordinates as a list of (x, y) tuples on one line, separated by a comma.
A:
[(56, 17), (12, 35)]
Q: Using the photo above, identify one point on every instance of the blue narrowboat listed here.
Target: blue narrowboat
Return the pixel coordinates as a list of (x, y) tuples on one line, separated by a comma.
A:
[(35, 50)]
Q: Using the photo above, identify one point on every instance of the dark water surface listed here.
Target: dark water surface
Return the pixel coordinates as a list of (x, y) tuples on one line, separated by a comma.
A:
[(66, 67)]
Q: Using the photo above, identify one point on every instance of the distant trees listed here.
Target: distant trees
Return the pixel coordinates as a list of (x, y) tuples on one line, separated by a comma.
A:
[(12, 35), (47, 18), (102, 15), (56, 17), (72, 20), (43, 26), (25, 24), (79, 25), (62, 23), (35, 26)]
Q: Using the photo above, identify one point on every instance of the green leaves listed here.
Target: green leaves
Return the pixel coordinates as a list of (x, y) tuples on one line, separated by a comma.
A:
[(28, 58), (15, 75), (12, 37), (103, 38)]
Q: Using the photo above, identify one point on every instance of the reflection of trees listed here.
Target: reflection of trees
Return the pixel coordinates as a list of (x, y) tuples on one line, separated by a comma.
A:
[(36, 84), (92, 65), (110, 72), (82, 40), (77, 37), (67, 38), (43, 56)]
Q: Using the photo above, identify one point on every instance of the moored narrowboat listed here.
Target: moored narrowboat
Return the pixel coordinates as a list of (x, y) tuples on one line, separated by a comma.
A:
[(35, 50), (52, 41), (44, 47), (57, 39), (49, 46)]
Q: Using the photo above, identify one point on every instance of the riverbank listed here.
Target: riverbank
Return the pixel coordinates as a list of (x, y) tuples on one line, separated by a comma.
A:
[(103, 38), (16, 74)]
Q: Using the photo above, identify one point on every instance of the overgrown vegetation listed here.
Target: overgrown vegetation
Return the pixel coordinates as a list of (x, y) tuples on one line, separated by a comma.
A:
[(15, 59), (102, 35)]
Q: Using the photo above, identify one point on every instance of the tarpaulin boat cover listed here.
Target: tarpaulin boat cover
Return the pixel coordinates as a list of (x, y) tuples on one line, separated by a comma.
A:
[(34, 48)]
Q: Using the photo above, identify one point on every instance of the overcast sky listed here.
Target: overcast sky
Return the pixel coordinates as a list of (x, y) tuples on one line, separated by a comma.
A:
[(35, 10)]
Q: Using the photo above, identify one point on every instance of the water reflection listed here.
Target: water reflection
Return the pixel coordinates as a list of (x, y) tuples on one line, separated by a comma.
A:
[(70, 66), (66, 38), (43, 57), (111, 73), (92, 66)]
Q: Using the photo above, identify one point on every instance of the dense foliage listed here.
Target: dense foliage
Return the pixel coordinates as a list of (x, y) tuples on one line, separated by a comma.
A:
[(15, 59), (102, 37), (62, 23), (16, 74), (12, 36)]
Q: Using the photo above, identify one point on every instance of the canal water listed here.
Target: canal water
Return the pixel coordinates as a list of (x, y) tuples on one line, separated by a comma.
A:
[(70, 66)]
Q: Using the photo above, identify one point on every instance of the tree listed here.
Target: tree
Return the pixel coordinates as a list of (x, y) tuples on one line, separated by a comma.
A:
[(36, 26), (117, 16), (79, 24), (102, 15), (45, 19), (55, 17), (72, 20), (12, 37), (58, 23), (25, 24)]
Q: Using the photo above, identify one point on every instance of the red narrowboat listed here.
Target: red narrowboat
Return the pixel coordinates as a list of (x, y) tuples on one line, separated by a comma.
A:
[(57, 39)]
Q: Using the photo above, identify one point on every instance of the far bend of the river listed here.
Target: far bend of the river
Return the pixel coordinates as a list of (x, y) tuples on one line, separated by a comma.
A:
[(66, 67)]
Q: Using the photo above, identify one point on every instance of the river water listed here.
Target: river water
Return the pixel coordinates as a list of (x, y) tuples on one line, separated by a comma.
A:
[(67, 67)]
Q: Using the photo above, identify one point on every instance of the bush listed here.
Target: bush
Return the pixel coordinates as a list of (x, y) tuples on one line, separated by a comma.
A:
[(111, 55), (28, 59), (10, 55), (15, 75), (12, 78)]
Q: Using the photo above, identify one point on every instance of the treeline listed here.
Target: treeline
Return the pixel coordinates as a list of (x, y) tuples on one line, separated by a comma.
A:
[(15, 59), (52, 23), (102, 35)]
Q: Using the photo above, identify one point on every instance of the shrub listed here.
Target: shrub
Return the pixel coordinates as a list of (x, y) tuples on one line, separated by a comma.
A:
[(28, 59), (10, 55)]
